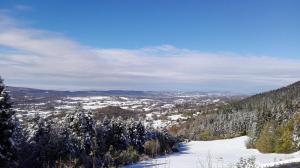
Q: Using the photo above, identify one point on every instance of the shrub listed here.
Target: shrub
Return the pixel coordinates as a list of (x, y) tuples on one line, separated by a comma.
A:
[(115, 158), (152, 148), (128, 156), (276, 139), (247, 163), (206, 136), (174, 129), (266, 140), (284, 140), (250, 144)]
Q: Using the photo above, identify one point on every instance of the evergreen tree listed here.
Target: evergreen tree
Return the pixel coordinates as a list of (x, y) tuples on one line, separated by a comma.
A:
[(82, 133), (136, 133), (284, 139), (118, 134), (266, 140), (19, 137), (7, 145), (41, 143)]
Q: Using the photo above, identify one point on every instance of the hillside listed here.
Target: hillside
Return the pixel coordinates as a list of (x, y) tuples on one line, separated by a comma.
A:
[(265, 117)]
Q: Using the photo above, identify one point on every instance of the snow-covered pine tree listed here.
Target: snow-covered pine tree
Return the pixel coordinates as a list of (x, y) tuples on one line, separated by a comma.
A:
[(136, 133), (70, 134), (105, 128), (18, 133), (87, 131), (40, 142), (81, 128), (99, 139), (7, 146), (67, 143), (141, 133), (19, 137), (119, 138), (33, 127)]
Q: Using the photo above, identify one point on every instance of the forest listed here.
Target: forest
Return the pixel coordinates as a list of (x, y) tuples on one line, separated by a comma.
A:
[(76, 139)]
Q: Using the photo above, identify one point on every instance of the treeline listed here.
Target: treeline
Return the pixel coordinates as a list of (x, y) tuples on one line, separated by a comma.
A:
[(263, 117), (76, 140)]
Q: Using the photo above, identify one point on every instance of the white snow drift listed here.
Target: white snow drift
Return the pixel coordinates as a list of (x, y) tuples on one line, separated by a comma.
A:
[(220, 153)]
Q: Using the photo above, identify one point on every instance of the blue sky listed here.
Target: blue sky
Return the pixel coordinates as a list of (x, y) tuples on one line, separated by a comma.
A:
[(265, 32), (268, 27)]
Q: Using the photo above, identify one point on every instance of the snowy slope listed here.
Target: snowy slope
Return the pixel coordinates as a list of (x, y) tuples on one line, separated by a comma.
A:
[(221, 153)]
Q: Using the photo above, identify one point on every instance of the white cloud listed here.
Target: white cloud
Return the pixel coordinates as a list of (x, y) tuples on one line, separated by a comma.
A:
[(38, 58)]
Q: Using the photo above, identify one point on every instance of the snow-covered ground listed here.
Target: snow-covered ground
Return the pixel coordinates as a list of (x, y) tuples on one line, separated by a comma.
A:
[(220, 153)]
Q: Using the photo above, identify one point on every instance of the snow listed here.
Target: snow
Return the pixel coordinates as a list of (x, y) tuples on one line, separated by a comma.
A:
[(147, 109), (124, 98), (167, 106), (94, 102), (90, 98), (176, 117), (216, 100), (196, 114), (65, 107), (149, 116), (136, 106), (39, 104), (92, 107), (19, 116), (159, 123), (221, 153), (293, 160)]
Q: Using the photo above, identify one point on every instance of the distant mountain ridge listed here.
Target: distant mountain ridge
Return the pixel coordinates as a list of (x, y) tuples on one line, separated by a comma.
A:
[(23, 91), (40, 92)]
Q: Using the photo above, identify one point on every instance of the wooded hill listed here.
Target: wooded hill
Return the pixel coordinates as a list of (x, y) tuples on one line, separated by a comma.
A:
[(271, 119)]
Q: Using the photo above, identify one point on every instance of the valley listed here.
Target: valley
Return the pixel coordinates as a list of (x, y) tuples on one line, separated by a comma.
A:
[(207, 116), (159, 109)]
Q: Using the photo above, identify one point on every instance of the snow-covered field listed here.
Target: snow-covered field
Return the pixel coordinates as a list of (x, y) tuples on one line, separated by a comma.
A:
[(161, 110), (220, 153)]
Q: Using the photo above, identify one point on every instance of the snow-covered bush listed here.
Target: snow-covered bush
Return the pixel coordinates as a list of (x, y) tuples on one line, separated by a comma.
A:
[(247, 163)]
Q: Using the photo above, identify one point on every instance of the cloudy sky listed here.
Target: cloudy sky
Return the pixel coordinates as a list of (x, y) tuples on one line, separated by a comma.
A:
[(243, 47)]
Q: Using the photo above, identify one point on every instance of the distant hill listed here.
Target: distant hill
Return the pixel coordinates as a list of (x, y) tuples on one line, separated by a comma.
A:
[(21, 91)]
